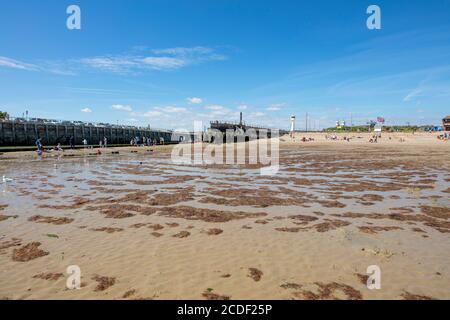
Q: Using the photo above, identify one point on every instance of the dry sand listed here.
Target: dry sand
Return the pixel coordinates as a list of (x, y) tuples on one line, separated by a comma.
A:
[(141, 227)]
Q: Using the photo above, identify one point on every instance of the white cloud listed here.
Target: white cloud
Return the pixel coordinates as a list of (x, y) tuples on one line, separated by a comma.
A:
[(152, 114), (194, 100), (221, 111), (122, 107), (184, 50), (86, 110), (242, 107), (164, 63), (15, 64), (215, 107), (159, 112), (54, 67), (113, 64), (138, 60), (257, 114), (161, 59), (171, 109), (276, 107)]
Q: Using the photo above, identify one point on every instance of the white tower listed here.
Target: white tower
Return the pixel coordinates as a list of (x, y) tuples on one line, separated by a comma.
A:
[(292, 124)]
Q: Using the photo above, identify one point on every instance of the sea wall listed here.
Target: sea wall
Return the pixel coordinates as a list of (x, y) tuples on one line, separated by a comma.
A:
[(14, 133)]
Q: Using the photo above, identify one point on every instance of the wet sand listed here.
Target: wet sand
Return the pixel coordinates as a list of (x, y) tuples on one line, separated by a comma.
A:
[(141, 227)]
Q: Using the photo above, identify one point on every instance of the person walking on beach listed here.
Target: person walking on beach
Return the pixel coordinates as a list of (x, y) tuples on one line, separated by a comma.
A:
[(85, 143), (39, 145), (105, 142), (71, 142)]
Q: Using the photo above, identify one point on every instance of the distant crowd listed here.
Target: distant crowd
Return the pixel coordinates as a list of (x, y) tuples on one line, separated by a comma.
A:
[(103, 143)]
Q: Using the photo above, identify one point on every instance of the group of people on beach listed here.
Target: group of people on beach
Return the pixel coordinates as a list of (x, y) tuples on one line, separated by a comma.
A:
[(40, 147), (374, 138), (334, 137), (304, 139), (144, 141), (103, 143), (445, 136)]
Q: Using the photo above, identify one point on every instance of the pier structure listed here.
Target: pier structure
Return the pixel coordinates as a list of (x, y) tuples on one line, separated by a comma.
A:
[(238, 132)]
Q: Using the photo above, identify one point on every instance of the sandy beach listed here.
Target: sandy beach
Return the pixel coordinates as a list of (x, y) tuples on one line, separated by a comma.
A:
[(141, 227)]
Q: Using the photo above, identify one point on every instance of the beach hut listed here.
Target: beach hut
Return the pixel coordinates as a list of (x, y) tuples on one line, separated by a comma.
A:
[(446, 123)]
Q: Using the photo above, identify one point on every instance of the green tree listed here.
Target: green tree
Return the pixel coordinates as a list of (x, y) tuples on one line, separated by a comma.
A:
[(4, 115)]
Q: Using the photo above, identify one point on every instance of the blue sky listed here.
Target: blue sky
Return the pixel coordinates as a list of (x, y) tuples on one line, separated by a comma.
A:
[(167, 63)]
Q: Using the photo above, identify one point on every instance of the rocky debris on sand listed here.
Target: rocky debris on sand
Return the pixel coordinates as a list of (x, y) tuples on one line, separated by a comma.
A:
[(48, 276), (28, 252), (214, 296), (376, 229), (255, 274), (51, 220), (103, 282), (411, 296), (208, 215), (214, 231), (182, 234), (329, 291), (108, 229)]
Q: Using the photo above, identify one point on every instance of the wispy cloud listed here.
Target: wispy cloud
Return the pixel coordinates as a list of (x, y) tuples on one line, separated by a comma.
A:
[(194, 100), (122, 107), (86, 110), (215, 107), (276, 107), (112, 63), (16, 64), (160, 112), (152, 114), (385, 69), (171, 109), (137, 61), (257, 114), (102, 91), (183, 51), (164, 63), (413, 94), (159, 59), (54, 67)]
